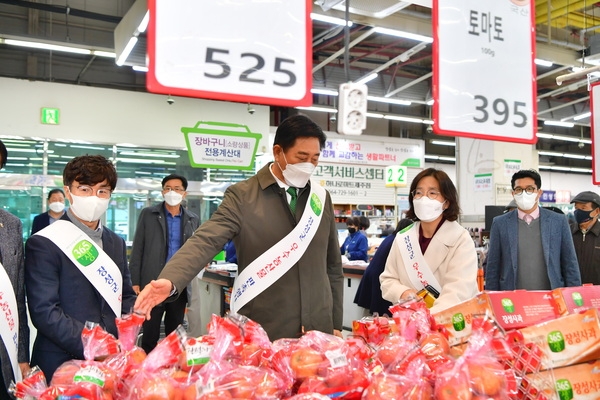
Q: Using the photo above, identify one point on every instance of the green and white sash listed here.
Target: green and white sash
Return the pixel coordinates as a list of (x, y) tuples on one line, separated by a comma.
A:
[(275, 262), (91, 260), (418, 271), (9, 321)]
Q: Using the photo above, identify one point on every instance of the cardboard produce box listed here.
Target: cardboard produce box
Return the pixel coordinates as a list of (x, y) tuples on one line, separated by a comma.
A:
[(511, 309), (572, 300), (577, 382), (567, 340)]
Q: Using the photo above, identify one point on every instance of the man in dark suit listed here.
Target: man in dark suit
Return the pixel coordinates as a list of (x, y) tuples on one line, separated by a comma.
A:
[(530, 247), (11, 258), (161, 230), (56, 209), (61, 295)]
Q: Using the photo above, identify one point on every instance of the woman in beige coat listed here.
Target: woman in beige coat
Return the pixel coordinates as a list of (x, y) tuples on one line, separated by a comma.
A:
[(448, 252)]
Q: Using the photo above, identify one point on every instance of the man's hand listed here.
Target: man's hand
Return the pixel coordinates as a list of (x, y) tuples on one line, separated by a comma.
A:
[(409, 294), (338, 333), (153, 294), (136, 289)]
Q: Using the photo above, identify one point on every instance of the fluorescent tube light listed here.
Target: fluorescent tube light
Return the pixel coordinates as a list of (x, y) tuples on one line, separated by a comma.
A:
[(560, 123), (47, 46), (144, 23), (367, 78), (443, 143), (389, 100), (543, 63), (326, 92), (319, 109), (582, 116), (402, 34), (130, 45), (328, 19), (405, 119), (139, 68)]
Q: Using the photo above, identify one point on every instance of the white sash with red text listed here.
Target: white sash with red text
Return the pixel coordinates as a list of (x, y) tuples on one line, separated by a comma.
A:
[(9, 321), (91, 260), (418, 271), (275, 262)]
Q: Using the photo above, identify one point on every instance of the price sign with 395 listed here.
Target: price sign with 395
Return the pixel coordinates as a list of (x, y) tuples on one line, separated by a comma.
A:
[(484, 73), (245, 51)]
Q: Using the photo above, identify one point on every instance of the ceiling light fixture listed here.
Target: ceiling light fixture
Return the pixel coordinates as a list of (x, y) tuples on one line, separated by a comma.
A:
[(582, 116), (331, 20), (543, 63), (389, 100), (367, 78), (443, 143), (325, 92), (55, 47), (559, 123), (402, 34)]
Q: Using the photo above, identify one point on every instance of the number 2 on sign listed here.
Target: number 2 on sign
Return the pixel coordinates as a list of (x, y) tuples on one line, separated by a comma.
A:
[(396, 175), (500, 107), (213, 54)]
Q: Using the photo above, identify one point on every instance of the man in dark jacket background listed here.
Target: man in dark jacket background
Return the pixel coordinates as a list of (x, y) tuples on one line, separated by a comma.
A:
[(161, 230)]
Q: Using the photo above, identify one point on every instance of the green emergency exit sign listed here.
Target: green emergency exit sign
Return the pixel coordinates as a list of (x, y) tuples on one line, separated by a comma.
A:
[(50, 116)]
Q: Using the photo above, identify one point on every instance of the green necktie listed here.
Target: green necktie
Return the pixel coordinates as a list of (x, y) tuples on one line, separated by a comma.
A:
[(292, 192)]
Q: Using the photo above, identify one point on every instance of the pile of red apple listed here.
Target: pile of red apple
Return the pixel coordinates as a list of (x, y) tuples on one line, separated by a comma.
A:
[(236, 360)]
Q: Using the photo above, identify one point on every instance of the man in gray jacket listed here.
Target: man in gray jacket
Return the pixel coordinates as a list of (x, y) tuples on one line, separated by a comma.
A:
[(258, 214), (160, 232)]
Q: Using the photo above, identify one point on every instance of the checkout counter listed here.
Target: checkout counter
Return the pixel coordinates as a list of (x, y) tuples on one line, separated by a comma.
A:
[(217, 282)]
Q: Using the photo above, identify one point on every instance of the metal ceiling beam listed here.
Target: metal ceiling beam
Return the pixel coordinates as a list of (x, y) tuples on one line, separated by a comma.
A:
[(341, 51)]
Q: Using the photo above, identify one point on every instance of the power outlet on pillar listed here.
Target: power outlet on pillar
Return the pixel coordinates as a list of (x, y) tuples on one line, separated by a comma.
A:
[(352, 110)]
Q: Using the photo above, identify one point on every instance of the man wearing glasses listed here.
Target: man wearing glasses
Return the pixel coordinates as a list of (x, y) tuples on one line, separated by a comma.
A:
[(76, 268), (161, 230), (530, 247)]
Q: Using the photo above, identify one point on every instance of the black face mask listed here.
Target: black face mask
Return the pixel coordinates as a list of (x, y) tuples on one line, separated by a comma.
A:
[(582, 216), (351, 230)]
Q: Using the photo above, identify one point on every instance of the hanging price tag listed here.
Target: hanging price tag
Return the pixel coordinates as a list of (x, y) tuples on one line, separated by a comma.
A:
[(243, 51), (485, 87)]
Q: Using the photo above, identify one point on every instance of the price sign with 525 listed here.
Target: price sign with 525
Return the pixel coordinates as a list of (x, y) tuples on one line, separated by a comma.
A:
[(219, 64)]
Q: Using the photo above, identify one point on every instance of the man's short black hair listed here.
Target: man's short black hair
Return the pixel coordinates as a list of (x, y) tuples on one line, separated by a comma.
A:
[(167, 178), (54, 191), (527, 173), (90, 170), (297, 126)]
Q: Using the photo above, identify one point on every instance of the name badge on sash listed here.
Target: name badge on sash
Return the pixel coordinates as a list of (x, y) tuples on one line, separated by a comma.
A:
[(9, 321), (275, 262), (418, 271), (91, 260)]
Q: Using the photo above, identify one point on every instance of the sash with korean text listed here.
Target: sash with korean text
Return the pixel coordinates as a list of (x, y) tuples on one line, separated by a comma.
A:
[(91, 260), (9, 321), (275, 262), (418, 271)]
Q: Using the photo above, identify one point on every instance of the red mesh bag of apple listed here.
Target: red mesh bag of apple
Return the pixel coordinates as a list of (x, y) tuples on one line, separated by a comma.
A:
[(243, 382), (31, 386), (374, 328), (415, 384), (325, 364), (92, 380), (478, 373), (308, 396), (97, 342)]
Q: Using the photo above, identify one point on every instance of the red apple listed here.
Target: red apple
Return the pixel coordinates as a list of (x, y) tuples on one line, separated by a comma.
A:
[(486, 378), (159, 388), (305, 362), (453, 387), (65, 373), (393, 348)]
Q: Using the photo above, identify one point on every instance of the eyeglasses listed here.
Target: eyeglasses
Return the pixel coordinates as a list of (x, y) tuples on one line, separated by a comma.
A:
[(528, 190), (87, 191), (432, 194), (175, 189)]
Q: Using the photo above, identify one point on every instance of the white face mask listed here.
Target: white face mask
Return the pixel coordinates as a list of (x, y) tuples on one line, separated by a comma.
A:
[(89, 208), (297, 175), (526, 201), (427, 210), (57, 206), (173, 198)]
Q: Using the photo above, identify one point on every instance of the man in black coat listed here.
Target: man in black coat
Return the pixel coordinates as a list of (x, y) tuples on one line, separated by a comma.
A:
[(160, 232)]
